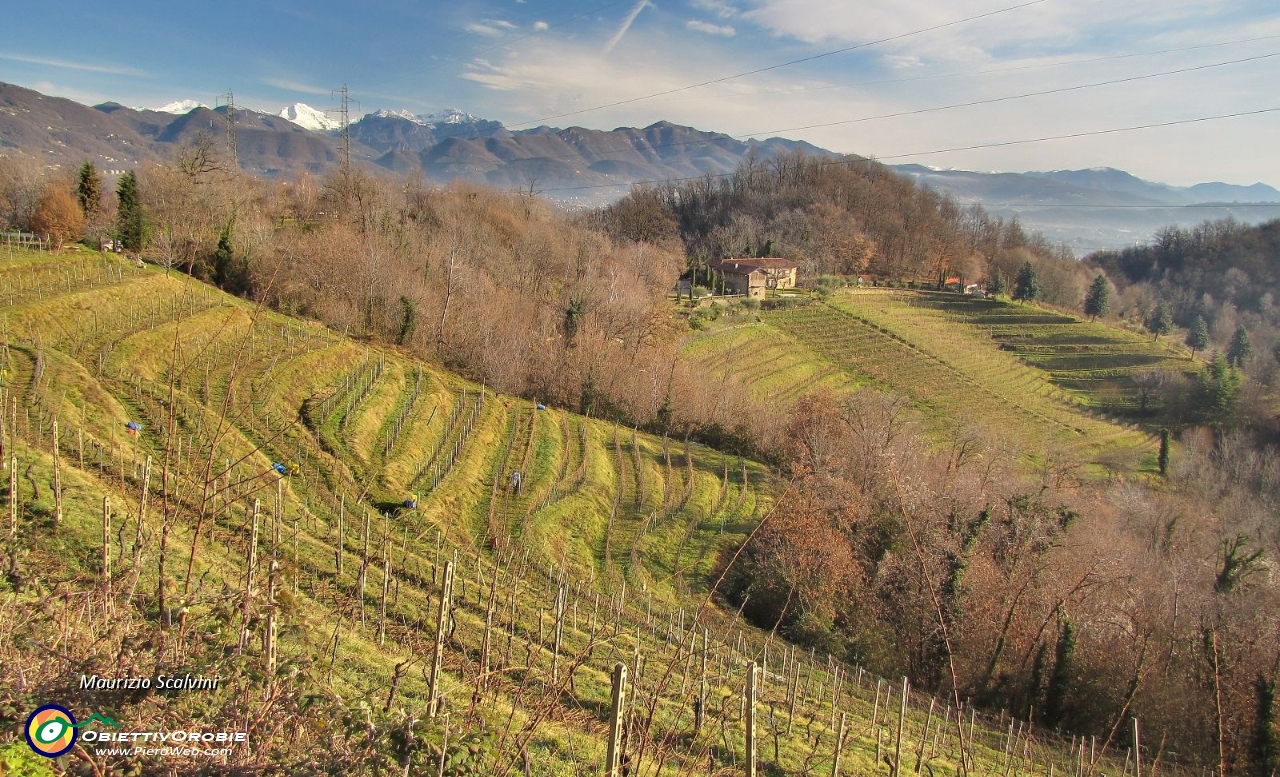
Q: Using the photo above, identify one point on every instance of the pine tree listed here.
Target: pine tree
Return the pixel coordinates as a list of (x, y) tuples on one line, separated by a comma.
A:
[(1241, 348), (1163, 459), (1060, 680), (1264, 747), (1160, 321), (1198, 336), (1218, 390), (89, 189), (230, 273), (1026, 287), (997, 285), (130, 224), (1098, 301)]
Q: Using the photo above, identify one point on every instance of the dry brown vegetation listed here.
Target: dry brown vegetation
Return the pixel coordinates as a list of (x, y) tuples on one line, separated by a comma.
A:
[(1081, 606)]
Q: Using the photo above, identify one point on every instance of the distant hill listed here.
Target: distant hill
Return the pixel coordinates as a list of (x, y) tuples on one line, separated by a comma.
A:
[(1099, 208), (1096, 186)]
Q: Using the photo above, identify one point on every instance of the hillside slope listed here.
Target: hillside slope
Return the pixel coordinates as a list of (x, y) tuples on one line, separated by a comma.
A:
[(1045, 382), (316, 595)]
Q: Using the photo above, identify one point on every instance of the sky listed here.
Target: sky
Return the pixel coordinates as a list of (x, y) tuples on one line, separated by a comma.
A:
[(900, 80)]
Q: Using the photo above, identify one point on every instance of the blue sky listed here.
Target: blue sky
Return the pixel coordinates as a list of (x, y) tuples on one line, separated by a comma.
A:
[(520, 61)]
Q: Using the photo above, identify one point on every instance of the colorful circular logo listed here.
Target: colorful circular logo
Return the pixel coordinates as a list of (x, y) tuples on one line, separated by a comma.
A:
[(51, 730)]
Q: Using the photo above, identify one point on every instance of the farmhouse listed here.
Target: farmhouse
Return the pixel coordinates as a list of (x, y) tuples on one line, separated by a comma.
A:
[(754, 277)]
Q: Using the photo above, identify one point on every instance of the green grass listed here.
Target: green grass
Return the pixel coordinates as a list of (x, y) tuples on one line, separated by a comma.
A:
[(772, 364), (956, 360), (169, 352)]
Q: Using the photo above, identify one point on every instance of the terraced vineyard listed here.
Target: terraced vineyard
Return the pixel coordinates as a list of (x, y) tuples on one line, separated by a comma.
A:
[(773, 364), (1095, 362), (949, 361), (398, 475)]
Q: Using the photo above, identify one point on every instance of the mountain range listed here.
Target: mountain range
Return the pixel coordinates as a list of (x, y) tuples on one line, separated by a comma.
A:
[(1088, 209), (1100, 207), (441, 146)]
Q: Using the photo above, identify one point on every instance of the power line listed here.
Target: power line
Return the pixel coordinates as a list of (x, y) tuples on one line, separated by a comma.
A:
[(918, 111), (1082, 206), (995, 70), (789, 63), (1007, 98), (954, 149)]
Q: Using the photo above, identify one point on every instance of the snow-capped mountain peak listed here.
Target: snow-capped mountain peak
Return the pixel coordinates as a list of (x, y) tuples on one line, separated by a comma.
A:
[(179, 107), (406, 115), (446, 116), (308, 118)]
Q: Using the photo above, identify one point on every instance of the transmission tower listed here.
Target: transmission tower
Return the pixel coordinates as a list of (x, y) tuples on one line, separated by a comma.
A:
[(229, 100), (344, 123)]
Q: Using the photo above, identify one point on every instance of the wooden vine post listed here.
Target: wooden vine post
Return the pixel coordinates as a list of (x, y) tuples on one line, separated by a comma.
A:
[(342, 533), (269, 636), (106, 545), (442, 627), (57, 479), (835, 767), (614, 757), (386, 583), (364, 566), (1137, 750), (250, 562), (142, 511), (902, 718), (700, 706), (561, 596), (13, 496), (753, 672)]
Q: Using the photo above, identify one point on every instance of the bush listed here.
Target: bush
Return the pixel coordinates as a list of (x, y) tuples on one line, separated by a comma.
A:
[(58, 216), (753, 305), (699, 292)]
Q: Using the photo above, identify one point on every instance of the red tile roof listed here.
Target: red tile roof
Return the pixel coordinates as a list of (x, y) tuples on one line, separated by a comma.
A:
[(767, 263)]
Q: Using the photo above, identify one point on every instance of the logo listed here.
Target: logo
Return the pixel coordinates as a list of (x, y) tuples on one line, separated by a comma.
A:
[(51, 730)]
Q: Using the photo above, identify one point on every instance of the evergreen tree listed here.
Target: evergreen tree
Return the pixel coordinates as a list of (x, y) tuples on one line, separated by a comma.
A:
[(1163, 459), (1218, 390), (1060, 680), (408, 319), (230, 273), (1275, 350), (1198, 336), (997, 285), (1264, 745), (130, 224), (1160, 321), (89, 189), (1098, 301), (1241, 348), (1026, 287)]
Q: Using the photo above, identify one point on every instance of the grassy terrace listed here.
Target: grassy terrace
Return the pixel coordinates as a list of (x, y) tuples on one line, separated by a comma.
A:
[(1044, 380), (1096, 362), (623, 528)]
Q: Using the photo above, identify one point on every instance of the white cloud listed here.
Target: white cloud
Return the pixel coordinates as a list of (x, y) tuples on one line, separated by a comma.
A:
[(709, 28), (118, 70), (296, 86), (718, 7), (626, 25), (1005, 55), (541, 26), (490, 27)]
